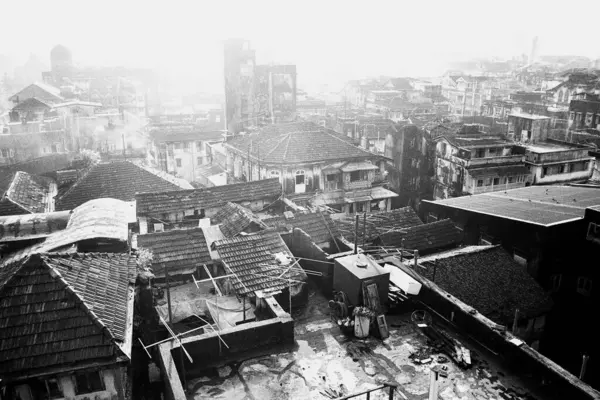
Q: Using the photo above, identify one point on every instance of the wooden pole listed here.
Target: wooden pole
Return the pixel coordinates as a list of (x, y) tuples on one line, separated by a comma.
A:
[(356, 235), (433, 385), (416, 257), (583, 366), (434, 271), (168, 294), (515, 321), (364, 229)]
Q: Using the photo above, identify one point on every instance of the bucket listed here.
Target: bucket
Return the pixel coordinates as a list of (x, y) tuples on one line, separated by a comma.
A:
[(361, 326)]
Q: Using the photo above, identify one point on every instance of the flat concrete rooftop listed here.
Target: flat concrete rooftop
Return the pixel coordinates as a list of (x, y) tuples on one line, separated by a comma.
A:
[(324, 358)]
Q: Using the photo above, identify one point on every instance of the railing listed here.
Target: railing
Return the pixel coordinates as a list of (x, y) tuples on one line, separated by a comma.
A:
[(331, 186), (390, 386), (513, 159)]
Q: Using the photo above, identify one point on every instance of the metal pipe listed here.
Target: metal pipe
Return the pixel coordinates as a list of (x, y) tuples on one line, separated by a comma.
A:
[(356, 235), (583, 366)]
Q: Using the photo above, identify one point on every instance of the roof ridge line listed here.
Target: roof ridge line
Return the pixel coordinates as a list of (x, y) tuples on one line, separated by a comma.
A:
[(287, 146), (85, 174), (55, 274)]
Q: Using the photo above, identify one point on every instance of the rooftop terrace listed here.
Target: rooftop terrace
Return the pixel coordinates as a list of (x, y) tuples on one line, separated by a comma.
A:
[(324, 360)]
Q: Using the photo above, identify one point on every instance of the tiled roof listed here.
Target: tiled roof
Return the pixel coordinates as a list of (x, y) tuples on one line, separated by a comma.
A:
[(234, 219), (28, 192), (179, 250), (314, 224), (296, 143), (488, 279), (247, 256), (170, 135), (540, 205), (118, 180), (62, 311), (379, 223), (173, 201), (425, 238)]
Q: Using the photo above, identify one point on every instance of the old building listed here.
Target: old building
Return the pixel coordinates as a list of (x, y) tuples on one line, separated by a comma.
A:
[(43, 92), (544, 228), (318, 225), (70, 333), (528, 128), (584, 112), (411, 171), (256, 93), (157, 211), (182, 152), (477, 164), (427, 238), (573, 82), (312, 164), (23, 193), (555, 161), (467, 94), (118, 180), (182, 252)]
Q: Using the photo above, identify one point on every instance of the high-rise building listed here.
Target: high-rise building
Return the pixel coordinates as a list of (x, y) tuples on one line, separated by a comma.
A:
[(534, 50), (239, 80)]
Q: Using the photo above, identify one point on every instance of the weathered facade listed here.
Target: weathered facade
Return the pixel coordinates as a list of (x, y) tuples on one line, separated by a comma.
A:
[(411, 170), (555, 161), (313, 165), (473, 165)]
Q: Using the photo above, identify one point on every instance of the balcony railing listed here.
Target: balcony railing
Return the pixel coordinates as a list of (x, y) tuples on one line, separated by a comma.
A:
[(361, 184), (514, 159)]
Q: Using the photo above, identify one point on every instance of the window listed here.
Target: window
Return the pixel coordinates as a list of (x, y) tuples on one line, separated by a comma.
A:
[(505, 179), (177, 146), (4, 153), (555, 281), (178, 162), (480, 153), (479, 182), (496, 181), (355, 176), (331, 177), (53, 390), (199, 160), (443, 148), (561, 169), (300, 177), (274, 174), (584, 286), (593, 233), (488, 181), (187, 145), (217, 118), (492, 151), (544, 171), (88, 382), (198, 146)]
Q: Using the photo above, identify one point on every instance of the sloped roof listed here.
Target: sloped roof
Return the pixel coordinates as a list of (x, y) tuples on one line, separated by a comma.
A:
[(379, 223), (62, 311), (234, 219), (96, 219), (179, 250), (118, 180), (296, 143), (32, 102), (317, 226), (41, 90), (425, 238), (248, 257), (172, 201), (488, 279), (28, 192), (401, 84)]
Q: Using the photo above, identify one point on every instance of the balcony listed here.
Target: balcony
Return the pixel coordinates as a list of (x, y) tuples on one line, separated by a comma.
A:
[(360, 184), (499, 160)]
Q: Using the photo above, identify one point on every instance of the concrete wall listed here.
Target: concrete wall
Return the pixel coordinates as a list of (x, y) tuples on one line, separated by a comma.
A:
[(522, 359), (551, 175), (207, 349)]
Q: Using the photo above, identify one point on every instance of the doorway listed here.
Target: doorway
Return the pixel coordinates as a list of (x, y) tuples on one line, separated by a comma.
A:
[(300, 186)]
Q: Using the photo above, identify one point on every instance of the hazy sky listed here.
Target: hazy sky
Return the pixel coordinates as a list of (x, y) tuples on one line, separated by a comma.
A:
[(327, 40)]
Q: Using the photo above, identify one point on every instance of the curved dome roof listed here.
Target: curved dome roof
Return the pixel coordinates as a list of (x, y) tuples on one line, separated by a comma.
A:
[(60, 51)]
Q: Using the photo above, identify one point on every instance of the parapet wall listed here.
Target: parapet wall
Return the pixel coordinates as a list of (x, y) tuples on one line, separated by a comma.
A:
[(208, 348), (522, 358)]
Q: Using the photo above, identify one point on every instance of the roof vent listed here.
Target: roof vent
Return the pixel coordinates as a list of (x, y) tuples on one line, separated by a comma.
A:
[(288, 215), (360, 263)]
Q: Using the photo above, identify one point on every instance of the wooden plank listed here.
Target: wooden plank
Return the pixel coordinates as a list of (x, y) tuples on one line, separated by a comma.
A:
[(212, 280)]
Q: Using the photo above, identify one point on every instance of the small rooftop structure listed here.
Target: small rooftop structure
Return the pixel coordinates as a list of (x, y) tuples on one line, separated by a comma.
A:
[(554, 146), (62, 313), (181, 251), (528, 116), (538, 205), (235, 219), (319, 226), (252, 260), (32, 226), (378, 223)]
